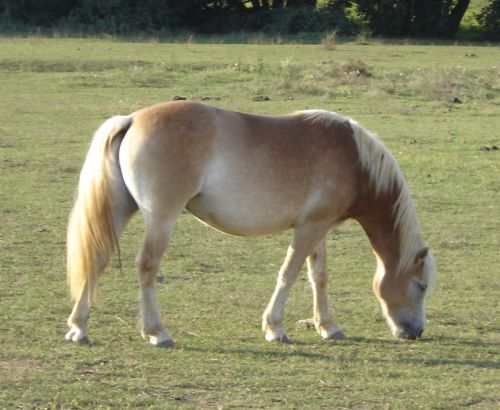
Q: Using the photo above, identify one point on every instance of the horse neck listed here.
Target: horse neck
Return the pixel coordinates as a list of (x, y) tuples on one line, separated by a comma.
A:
[(376, 216)]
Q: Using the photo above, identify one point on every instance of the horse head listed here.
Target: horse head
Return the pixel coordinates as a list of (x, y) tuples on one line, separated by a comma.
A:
[(402, 294)]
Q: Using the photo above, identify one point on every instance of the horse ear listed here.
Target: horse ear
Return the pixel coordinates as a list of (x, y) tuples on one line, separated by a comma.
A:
[(420, 256)]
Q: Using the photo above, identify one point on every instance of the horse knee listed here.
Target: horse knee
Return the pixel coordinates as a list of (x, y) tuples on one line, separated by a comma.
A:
[(147, 265), (286, 280), (319, 279)]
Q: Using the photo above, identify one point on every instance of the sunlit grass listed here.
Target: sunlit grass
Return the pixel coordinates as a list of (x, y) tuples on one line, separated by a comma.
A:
[(55, 93)]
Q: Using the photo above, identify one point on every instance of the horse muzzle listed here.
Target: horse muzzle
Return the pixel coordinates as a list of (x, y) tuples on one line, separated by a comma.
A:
[(409, 331)]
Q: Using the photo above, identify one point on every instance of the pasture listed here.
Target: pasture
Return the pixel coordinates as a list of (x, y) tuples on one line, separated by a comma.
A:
[(436, 108)]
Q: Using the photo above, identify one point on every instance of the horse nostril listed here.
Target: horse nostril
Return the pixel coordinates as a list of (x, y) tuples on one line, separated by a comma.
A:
[(416, 333), (411, 332)]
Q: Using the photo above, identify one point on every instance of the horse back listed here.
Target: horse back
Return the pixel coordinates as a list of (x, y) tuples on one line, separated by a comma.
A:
[(243, 173)]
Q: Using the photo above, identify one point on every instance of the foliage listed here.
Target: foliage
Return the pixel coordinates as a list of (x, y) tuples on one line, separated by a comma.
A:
[(427, 18), (202, 16), (489, 17), (35, 12)]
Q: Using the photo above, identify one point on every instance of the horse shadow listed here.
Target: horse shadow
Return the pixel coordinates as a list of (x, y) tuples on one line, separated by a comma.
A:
[(301, 349)]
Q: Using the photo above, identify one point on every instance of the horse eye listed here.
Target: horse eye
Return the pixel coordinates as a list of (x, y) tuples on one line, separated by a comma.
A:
[(422, 286)]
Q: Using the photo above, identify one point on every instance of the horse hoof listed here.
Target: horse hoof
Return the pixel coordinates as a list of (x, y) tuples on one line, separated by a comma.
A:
[(83, 341), (164, 342), (324, 332), (284, 340), (270, 337), (77, 335), (337, 336)]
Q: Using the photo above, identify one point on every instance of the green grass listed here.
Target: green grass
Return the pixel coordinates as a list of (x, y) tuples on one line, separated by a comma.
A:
[(55, 93)]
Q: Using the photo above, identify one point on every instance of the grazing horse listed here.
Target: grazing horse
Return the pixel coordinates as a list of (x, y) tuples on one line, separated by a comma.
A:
[(247, 174)]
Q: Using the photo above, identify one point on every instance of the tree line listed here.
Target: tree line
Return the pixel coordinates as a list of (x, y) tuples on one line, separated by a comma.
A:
[(390, 18)]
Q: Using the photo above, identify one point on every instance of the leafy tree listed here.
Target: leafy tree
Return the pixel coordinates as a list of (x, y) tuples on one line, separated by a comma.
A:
[(489, 17), (274, 4), (301, 3), (422, 18), (35, 12)]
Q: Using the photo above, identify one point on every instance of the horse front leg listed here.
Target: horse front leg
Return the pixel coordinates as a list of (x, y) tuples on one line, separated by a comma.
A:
[(322, 319), (304, 240), (272, 318)]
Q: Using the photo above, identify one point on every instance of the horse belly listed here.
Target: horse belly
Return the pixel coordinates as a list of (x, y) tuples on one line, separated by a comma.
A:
[(234, 211)]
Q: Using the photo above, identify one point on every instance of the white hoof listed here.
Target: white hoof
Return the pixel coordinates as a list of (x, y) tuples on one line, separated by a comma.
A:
[(331, 332), (161, 340), (277, 336), (76, 334)]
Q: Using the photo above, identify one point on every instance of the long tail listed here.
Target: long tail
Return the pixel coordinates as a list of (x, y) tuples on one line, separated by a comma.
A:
[(91, 233)]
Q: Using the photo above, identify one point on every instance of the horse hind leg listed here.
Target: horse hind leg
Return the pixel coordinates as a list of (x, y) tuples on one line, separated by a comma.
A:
[(157, 238), (77, 321), (78, 318), (322, 319)]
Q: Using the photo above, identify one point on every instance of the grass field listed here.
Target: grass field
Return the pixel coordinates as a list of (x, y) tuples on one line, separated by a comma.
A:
[(437, 108)]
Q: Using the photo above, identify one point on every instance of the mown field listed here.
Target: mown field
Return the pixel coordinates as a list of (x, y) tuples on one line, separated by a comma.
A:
[(436, 108)]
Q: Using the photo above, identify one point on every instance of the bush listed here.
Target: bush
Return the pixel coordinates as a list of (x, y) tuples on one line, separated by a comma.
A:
[(298, 20), (489, 18), (200, 16), (34, 12), (395, 18), (424, 18)]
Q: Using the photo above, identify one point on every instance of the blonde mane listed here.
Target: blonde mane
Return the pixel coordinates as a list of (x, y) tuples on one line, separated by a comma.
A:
[(385, 174)]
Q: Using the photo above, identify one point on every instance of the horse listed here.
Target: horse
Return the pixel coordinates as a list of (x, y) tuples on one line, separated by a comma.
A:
[(247, 175)]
